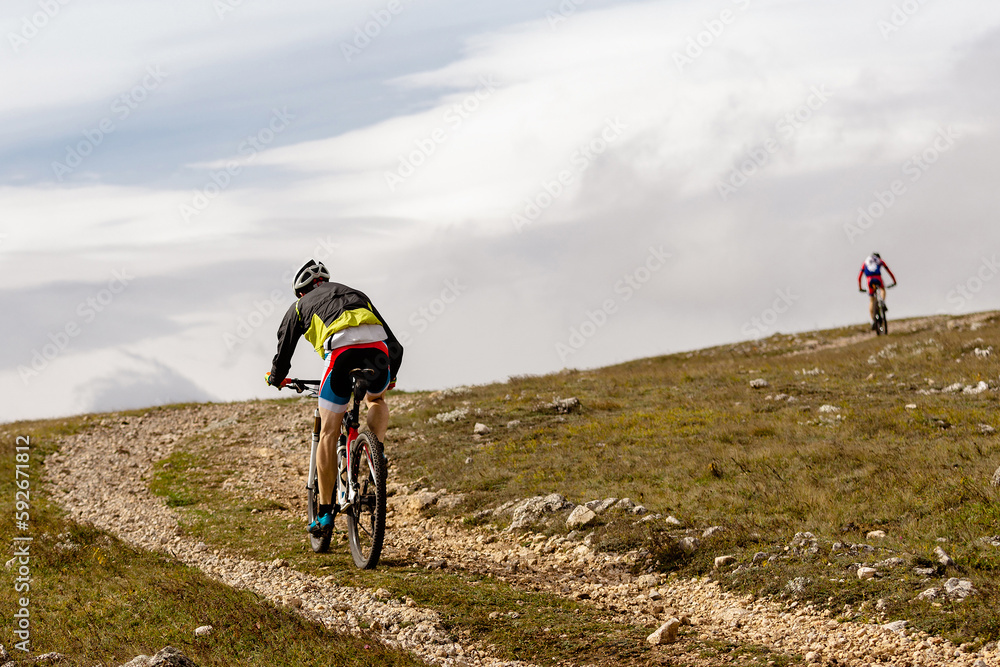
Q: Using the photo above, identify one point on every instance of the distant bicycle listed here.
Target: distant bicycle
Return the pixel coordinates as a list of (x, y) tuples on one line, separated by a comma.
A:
[(362, 471), (880, 322)]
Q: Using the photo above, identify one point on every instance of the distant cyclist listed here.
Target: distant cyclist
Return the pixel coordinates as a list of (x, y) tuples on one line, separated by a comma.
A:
[(348, 332), (872, 270)]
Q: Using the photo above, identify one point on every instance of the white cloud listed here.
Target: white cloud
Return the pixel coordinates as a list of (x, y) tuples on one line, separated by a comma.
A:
[(556, 87)]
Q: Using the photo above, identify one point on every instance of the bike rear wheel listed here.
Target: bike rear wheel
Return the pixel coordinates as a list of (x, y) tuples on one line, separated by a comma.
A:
[(366, 516), (319, 543), (882, 323)]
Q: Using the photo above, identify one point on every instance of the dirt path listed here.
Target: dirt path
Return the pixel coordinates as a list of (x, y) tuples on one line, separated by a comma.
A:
[(97, 477)]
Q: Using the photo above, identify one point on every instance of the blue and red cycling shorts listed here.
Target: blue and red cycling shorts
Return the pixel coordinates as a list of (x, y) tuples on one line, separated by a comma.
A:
[(335, 391), (874, 282)]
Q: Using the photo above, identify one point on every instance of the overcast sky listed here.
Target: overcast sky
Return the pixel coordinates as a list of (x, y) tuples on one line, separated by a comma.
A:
[(519, 186)]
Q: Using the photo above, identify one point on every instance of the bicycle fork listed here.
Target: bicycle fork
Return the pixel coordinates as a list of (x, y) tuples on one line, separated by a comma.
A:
[(312, 482)]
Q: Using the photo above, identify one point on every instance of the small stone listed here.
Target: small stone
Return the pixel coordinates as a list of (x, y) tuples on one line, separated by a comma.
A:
[(581, 517), (929, 594), (958, 589), (911, 406), (49, 657), (996, 478), (383, 593), (481, 429), (829, 408), (896, 626), (866, 573), (672, 521), (812, 657), (9, 564), (278, 563), (647, 581), (295, 603), (723, 561), (943, 557), (714, 530), (601, 506), (4, 656), (986, 429), (875, 535), (666, 633), (689, 544), (203, 631), (436, 565), (759, 383), (171, 657), (565, 405), (513, 423)]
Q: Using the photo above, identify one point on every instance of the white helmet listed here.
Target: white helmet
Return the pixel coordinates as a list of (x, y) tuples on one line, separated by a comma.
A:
[(307, 276)]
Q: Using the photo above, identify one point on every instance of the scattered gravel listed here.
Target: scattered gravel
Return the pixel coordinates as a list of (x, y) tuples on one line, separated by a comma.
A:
[(98, 476)]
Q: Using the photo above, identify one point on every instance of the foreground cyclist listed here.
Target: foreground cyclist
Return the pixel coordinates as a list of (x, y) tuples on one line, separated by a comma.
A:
[(348, 332), (872, 270)]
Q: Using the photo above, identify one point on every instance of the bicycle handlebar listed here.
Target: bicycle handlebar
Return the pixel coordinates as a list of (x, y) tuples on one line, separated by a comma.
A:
[(299, 385)]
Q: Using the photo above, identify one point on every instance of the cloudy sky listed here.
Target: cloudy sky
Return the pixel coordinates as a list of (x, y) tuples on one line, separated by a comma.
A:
[(519, 186)]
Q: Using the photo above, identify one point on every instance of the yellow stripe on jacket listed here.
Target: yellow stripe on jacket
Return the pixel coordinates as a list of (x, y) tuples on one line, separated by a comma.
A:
[(319, 331)]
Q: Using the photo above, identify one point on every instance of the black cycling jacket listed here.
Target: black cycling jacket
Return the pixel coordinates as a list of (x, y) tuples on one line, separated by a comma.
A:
[(328, 308)]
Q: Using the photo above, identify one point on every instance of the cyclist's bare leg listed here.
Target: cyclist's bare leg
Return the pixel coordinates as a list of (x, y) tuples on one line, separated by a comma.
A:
[(871, 307), (378, 415), (881, 293), (326, 454)]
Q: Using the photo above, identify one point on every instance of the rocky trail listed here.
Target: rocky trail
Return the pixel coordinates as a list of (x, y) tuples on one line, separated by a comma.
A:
[(101, 477)]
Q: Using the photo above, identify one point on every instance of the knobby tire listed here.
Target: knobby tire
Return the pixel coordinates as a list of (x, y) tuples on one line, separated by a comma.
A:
[(366, 517)]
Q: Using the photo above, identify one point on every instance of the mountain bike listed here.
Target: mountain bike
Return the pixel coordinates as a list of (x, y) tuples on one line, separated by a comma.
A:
[(881, 323), (361, 470)]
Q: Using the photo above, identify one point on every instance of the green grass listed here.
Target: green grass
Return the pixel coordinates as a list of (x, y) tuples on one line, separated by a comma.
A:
[(547, 627), (686, 435), (100, 600)]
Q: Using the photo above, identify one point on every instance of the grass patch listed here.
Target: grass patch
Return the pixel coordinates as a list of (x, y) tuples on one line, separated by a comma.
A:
[(95, 599)]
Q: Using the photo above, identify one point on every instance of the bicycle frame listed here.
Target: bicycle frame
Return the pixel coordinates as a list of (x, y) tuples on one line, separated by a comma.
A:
[(348, 434)]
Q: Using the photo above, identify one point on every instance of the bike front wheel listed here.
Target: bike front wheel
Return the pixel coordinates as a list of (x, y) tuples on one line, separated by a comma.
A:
[(883, 323), (366, 515)]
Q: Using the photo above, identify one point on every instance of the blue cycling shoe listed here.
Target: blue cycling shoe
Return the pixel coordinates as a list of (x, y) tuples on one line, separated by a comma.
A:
[(321, 524)]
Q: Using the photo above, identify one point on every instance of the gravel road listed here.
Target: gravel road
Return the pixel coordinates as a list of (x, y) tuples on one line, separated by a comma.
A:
[(98, 477)]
